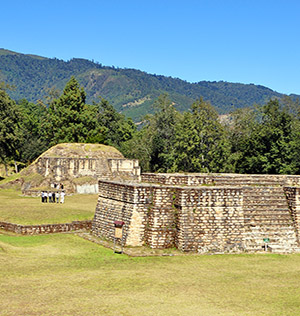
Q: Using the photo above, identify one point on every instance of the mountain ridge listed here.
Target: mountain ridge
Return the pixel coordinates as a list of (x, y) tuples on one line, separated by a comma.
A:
[(130, 91)]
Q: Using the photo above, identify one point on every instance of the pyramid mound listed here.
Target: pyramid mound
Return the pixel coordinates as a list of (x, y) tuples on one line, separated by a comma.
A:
[(79, 150), (75, 165)]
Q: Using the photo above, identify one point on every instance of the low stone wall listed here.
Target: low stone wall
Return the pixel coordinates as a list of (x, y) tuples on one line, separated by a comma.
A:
[(232, 179), (45, 229), (177, 179)]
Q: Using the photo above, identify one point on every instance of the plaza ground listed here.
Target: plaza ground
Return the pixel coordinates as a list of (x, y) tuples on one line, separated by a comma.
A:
[(64, 274)]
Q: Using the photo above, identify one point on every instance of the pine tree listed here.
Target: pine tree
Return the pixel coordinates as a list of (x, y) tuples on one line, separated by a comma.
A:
[(201, 142), (70, 119)]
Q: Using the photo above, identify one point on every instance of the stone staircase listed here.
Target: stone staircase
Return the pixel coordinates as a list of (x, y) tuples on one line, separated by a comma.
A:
[(267, 216)]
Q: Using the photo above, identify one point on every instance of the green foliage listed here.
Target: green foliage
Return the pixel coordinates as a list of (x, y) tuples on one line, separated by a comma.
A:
[(28, 129), (118, 128), (33, 143), (267, 142), (260, 139), (163, 124), (10, 135), (70, 119), (201, 142), (139, 148), (130, 91), (154, 145)]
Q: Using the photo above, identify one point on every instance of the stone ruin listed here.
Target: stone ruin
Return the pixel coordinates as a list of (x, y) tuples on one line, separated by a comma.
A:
[(203, 213), (87, 169), (78, 167)]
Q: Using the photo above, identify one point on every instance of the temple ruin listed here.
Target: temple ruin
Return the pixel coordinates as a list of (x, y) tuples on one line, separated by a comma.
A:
[(203, 213)]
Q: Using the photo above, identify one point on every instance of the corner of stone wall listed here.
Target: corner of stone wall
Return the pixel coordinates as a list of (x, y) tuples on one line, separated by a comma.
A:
[(161, 218), (293, 199)]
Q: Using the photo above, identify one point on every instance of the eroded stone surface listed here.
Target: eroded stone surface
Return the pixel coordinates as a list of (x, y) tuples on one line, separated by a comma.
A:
[(203, 213)]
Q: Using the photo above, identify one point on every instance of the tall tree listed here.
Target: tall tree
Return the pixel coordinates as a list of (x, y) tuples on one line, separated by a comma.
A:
[(268, 148), (241, 125), (154, 144), (201, 141), (118, 128), (33, 143), (9, 128), (162, 126), (69, 118)]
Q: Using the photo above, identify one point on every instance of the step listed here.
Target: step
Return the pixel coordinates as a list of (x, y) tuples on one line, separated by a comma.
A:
[(263, 206), (266, 208), (268, 218)]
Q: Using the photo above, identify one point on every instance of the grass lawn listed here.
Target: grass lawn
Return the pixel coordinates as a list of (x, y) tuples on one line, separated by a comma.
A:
[(19, 209), (62, 274)]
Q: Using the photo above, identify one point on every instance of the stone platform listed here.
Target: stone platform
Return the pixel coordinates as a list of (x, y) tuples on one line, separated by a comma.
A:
[(204, 213)]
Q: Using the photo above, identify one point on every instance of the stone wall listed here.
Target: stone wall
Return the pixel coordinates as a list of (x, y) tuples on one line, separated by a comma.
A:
[(202, 218), (232, 179), (161, 218), (61, 169), (45, 229), (64, 168), (293, 197), (122, 202), (199, 219), (210, 219), (177, 179), (125, 167)]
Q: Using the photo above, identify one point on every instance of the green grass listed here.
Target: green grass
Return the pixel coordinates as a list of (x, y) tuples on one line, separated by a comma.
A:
[(84, 180), (62, 274), (19, 209)]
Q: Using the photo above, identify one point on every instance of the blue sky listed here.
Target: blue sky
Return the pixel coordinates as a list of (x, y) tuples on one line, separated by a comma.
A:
[(232, 40)]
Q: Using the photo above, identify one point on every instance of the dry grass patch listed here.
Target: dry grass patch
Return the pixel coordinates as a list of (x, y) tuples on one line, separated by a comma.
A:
[(63, 274), (19, 209)]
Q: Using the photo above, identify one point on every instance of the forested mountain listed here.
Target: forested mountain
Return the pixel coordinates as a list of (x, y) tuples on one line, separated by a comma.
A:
[(130, 91)]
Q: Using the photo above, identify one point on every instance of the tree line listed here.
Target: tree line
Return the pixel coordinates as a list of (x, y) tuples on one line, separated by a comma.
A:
[(260, 139)]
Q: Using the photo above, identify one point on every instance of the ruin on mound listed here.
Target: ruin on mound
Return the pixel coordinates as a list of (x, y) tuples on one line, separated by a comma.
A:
[(78, 167), (204, 213)]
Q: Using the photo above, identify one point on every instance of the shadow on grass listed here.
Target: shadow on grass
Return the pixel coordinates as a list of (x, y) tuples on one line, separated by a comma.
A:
[(118, 252)]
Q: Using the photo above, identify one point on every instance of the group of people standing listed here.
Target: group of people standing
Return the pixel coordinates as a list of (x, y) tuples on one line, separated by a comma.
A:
[(53, 197)]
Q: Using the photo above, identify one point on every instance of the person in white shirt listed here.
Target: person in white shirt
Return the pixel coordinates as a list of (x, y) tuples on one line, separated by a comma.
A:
[(57, 197), (62, 197)]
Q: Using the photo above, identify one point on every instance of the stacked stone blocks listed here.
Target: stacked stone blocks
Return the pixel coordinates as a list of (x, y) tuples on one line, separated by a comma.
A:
[(47, 228), (202, 212)]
